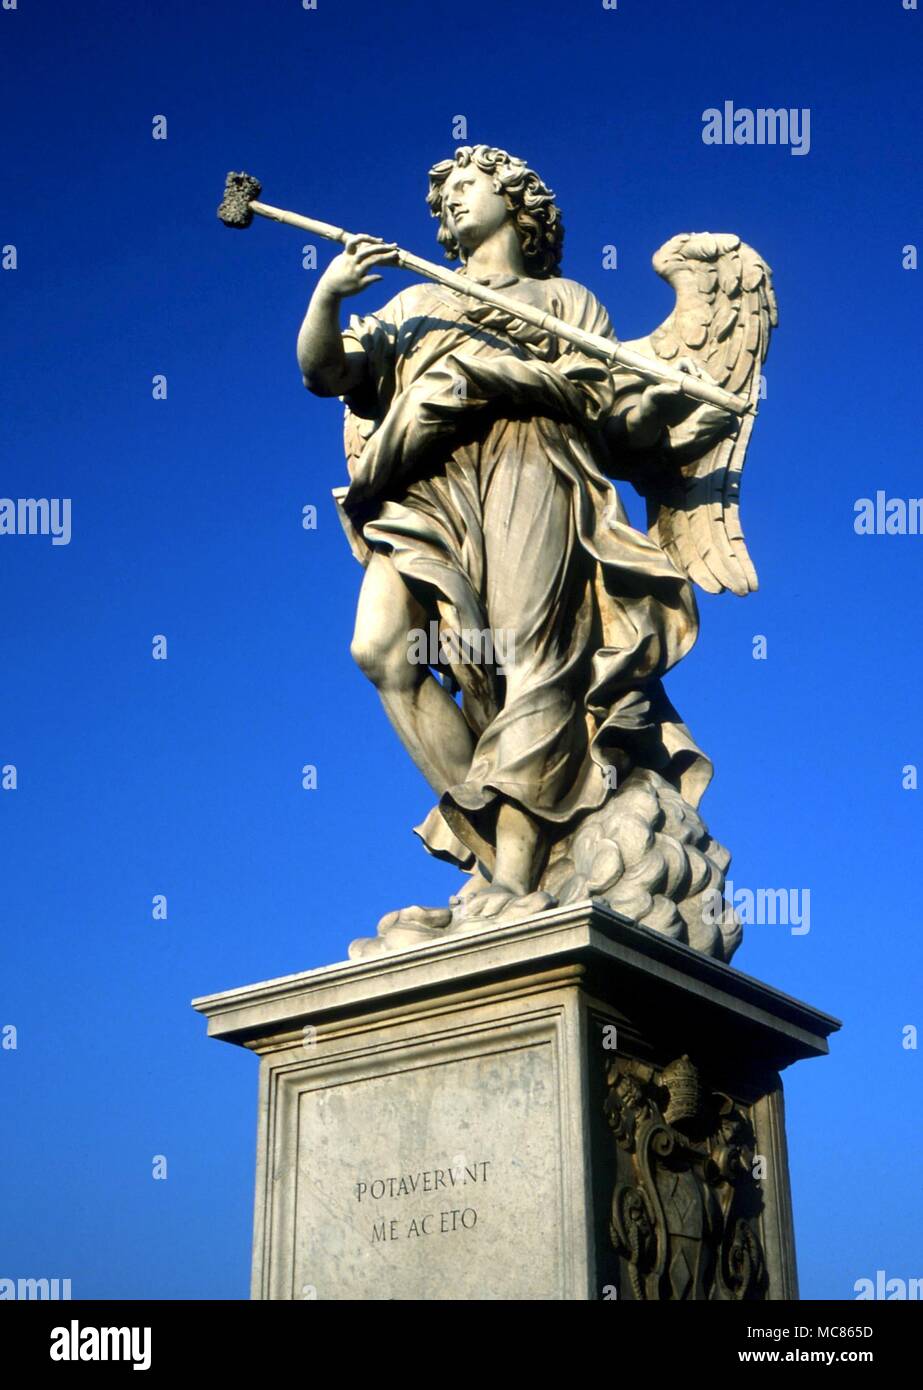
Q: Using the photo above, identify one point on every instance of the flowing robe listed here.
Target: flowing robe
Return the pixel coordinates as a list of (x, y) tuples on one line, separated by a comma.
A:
[(479, 465)]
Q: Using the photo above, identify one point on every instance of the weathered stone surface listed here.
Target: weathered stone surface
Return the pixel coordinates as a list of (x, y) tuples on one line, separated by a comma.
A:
[(412, 1182), (567, 1108)]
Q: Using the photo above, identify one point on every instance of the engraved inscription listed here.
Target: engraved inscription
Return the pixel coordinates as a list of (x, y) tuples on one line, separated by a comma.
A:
[(443, 1221)]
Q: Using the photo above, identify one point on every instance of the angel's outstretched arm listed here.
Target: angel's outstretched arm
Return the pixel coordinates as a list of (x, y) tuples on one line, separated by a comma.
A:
[(327, 369)]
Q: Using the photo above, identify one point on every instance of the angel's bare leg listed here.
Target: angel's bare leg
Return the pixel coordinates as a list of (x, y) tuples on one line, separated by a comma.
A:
[(518, 841), (435, 733), (427, 720)]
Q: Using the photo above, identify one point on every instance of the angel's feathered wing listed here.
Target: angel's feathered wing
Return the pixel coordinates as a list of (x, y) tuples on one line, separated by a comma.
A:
[(725, 312)]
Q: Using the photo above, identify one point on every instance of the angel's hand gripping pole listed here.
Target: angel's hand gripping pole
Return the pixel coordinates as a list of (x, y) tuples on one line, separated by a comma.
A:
[(240, 203)]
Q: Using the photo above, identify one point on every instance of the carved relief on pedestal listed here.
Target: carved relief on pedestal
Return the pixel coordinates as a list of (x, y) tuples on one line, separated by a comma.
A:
[(686, 1205)]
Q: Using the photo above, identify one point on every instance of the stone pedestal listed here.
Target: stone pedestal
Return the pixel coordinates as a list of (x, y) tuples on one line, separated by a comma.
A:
[(574, 1107)]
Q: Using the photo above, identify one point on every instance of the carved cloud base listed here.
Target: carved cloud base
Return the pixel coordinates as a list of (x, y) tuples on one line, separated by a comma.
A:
[(574, 1107)]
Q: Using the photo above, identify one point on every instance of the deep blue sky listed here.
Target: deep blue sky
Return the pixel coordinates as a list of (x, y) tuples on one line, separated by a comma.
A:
[(182, 777)]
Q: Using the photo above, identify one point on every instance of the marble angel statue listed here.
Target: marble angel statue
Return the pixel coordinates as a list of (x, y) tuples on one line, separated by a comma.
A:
[(484, 455)]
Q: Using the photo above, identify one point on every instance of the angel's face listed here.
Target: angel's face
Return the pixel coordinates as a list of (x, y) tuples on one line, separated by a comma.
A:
[(472, 209)]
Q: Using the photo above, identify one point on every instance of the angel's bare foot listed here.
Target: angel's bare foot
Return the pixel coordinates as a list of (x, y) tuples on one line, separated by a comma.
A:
[(487, 901), (421, 919), (497, 900), (475, 884), (401, 929)]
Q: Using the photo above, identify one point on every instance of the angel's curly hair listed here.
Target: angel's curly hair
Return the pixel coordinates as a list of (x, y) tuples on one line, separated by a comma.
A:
[(536, 215)]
